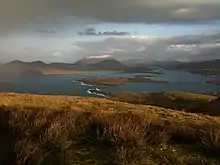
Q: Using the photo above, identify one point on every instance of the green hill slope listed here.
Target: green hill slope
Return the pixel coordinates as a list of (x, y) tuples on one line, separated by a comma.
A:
[(66, 130), (182, 101)]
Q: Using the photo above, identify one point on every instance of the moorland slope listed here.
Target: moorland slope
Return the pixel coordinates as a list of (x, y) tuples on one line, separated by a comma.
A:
[(37, 129)]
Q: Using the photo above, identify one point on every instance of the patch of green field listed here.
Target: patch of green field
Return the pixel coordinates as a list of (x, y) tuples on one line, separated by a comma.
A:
[(182, 101), (190, 96)]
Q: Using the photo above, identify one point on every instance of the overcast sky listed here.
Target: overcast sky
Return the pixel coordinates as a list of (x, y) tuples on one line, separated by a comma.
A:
[(67, 30)]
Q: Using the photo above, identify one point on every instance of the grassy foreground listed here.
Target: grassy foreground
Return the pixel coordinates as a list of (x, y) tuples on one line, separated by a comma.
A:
[(50, 130)]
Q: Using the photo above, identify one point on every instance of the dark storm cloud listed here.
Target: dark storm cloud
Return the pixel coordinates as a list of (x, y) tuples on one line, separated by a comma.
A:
[(92, 32), (16, 13)]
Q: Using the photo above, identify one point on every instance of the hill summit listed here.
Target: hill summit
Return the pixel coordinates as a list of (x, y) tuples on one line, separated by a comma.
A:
[(99, 63), (94, 59), (99, 57)]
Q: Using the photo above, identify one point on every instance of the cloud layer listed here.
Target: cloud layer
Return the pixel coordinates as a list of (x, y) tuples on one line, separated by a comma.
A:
[(184, 48), (16, 13), (149, 48)]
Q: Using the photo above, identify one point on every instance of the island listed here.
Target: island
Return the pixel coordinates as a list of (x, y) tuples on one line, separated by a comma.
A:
[(115, 81)]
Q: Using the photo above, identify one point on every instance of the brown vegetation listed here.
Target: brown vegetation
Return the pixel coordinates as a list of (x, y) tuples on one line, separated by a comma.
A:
[(71, 130)]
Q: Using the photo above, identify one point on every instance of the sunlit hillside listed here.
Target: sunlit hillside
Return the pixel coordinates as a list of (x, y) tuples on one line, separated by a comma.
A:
[(38, 129)]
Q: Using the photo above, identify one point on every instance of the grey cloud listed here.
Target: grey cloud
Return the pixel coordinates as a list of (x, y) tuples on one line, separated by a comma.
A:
[(125, 48), (52, 49), (92, 32), (194, 47), (47, 31), (194, 39), (18, 13)]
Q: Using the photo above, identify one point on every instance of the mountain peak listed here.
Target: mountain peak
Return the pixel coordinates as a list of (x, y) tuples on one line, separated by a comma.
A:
[(94, 59), (37, 62), (106, 62), (99, 57), (15, 62), (27, 63)]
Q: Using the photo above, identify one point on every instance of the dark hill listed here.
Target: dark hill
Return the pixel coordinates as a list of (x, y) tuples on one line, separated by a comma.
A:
[(182, 101), (109, 64), (99, 64), (211, 108), (21, 64), (20, 68)]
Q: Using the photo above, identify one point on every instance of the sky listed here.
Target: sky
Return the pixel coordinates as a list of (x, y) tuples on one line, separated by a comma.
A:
[(68, 30)]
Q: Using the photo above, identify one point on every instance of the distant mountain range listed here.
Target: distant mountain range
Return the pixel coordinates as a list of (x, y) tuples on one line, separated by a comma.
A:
[(195, 65), (104, 62), (21, 68), (200, 67)]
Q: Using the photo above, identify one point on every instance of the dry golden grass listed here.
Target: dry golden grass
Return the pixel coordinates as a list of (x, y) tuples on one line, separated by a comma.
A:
[(52, 130)]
